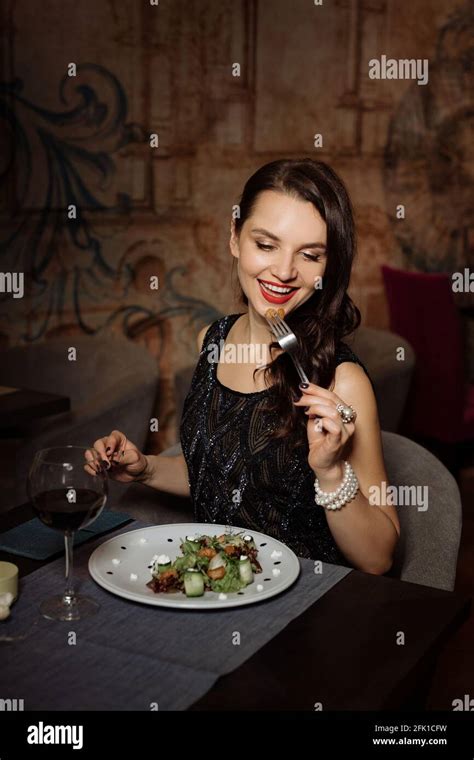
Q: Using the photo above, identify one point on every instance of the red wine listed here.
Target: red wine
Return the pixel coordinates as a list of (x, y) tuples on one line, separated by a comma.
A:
[(68, 509)]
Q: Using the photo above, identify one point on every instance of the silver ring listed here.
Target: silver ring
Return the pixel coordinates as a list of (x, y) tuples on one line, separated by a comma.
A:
[(347, 412)]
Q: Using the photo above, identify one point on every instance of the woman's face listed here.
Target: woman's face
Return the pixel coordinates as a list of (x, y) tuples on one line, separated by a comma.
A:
[(281, 252)]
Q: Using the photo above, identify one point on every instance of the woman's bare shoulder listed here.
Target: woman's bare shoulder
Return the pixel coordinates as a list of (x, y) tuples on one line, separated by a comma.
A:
[(200, 337)]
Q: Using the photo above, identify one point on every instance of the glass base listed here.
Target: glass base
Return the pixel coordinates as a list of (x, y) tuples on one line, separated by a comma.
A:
[(77, 608)]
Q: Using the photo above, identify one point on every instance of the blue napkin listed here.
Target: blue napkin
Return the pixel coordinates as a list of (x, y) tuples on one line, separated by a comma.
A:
[(34, 540)]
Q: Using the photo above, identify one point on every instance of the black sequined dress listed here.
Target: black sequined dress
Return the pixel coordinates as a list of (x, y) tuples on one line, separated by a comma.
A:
[(237, 474)]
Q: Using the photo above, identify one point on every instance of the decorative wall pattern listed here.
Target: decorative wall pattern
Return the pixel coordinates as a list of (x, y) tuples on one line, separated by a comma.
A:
[(64, 158), (429, 155), (165, 211)]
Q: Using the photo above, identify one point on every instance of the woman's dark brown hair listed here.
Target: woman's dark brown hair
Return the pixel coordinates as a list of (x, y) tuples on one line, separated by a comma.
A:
[(321, 321)]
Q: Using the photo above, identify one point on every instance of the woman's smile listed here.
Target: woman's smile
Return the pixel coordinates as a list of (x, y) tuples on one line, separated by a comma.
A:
[(275, 292), (277, 266)]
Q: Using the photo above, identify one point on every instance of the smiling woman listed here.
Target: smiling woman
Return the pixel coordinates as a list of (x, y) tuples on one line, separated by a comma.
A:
[(254, 455), (261, 452), (296, 232)]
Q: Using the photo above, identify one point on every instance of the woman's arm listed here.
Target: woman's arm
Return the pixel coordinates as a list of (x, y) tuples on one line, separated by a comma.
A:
[(366, 533), (126, 464), (168, 474)]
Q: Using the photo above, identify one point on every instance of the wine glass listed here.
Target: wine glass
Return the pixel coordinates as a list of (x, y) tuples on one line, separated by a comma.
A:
[(67, 486)]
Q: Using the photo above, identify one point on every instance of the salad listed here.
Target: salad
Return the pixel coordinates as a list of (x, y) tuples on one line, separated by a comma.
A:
[(223, 564)]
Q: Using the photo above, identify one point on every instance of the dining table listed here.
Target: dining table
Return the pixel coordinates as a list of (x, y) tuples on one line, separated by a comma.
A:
[(19, 406), (369, 642)]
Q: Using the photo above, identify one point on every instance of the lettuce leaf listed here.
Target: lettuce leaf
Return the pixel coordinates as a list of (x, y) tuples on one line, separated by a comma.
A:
[(230, 582), (184, 563)]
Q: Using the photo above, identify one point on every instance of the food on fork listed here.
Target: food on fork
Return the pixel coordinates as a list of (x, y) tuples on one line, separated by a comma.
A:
[(270, 313), (223, 564)]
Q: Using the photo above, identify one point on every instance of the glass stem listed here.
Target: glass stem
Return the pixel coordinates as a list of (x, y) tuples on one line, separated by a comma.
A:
[(68, 598)]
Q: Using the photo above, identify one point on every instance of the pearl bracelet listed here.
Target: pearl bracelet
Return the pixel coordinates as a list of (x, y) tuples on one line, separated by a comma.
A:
[(342, 495)]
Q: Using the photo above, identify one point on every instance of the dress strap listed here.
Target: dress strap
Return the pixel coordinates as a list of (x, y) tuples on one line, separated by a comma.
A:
[(217, 331)]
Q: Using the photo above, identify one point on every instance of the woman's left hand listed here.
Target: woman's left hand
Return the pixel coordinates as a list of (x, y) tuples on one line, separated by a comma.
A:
[(328, 436)]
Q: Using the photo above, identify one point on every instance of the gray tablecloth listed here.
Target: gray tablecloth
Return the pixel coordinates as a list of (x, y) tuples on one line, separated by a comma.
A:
[(134, 657)]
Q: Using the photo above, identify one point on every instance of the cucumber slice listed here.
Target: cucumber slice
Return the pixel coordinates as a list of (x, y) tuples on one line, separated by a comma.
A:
[(160, 563), (193, 582), (245, 570), (194, 542)]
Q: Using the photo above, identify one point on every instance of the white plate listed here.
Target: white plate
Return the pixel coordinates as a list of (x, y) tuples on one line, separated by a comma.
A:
[(114, 563)]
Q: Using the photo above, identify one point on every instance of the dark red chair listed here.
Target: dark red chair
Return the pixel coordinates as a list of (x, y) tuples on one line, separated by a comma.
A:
[(422, 310)]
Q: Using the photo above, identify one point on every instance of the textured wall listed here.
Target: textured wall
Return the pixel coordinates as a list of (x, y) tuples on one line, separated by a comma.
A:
[(145, 211)]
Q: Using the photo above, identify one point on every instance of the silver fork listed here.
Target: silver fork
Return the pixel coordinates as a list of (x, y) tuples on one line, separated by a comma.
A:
[(287, 341)]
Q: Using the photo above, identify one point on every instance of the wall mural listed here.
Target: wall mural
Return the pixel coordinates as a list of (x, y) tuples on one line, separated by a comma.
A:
[(429, 156), (66, 158), (90, 274)]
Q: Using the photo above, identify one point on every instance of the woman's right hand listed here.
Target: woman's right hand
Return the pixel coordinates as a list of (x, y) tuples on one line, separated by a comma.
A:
[(122, 459)]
